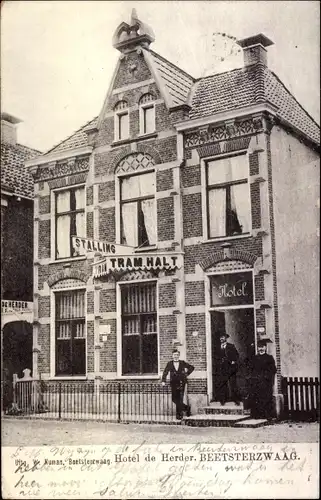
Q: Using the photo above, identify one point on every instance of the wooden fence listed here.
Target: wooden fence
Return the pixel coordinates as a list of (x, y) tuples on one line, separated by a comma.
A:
[(301, 398)]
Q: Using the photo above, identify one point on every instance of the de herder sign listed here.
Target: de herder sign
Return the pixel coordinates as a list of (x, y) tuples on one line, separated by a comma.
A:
[(159, 261)]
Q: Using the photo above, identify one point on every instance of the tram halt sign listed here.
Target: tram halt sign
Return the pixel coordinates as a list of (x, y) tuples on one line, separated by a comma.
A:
[(117, 257)]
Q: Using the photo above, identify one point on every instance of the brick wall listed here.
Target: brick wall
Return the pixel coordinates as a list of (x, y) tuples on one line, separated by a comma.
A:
[(17, 250), (194, 293), (168, 332), (254, 163), (44, 204), (255, 205), (107, 230), (191, 175), (44, 307), (89, 195), (107, 300), (90, 302), (125, 77), (90, 225), (90, 346), (196, 345), (164, 180), (192, 215), (106, 191), (165, 219), (44, 239), (44, 344), (167, 295)]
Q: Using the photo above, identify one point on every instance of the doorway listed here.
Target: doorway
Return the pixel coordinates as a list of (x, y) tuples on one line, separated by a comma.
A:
[(16, 355), (238, 323)]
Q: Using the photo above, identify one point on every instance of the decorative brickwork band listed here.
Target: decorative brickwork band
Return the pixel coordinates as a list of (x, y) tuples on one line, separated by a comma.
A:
[(223, 132), (228, 254), (67, 274), (61, 169)]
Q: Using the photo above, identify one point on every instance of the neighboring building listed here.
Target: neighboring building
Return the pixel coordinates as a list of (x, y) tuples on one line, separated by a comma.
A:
[(214, 181), (16, 250)]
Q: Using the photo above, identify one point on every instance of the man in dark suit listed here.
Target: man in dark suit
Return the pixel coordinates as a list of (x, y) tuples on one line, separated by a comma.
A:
[(179, 371), (228, 367), (262, 382)]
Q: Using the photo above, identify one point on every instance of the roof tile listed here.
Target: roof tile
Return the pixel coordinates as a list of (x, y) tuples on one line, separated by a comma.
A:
[(15, 177)]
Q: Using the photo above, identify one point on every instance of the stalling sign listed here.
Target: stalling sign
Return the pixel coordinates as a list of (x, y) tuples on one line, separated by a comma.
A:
[(82, 246), (232, 289), (159, 261)]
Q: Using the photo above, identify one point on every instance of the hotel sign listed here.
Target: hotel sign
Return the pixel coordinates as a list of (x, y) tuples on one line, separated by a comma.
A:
[(82, 246), (160, 262), (232, 289)]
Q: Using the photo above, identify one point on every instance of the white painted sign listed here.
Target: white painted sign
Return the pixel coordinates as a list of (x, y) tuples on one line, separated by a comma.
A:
[(159, 261), (82, 246)]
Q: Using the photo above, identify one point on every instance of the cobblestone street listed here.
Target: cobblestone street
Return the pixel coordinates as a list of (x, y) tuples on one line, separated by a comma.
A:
[(27, 432)]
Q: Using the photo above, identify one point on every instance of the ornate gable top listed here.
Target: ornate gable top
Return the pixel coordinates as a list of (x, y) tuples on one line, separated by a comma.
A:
[(129, 36)]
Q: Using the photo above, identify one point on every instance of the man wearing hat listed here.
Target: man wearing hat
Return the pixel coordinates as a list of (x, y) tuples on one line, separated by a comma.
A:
[(228, 367), (179, 371), (263, 371)]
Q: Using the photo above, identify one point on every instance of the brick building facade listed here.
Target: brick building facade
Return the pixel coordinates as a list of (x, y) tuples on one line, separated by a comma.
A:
[(16, 254), (193, 187)]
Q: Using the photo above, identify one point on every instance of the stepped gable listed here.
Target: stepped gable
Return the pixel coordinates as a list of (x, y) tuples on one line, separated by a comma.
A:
[(15, 177)]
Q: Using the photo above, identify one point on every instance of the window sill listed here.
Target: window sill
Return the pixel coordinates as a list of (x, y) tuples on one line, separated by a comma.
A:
[(68, 259), (137, 377), (145, 249), (68, 377), (122, 142), (150, 135), (228, 238)]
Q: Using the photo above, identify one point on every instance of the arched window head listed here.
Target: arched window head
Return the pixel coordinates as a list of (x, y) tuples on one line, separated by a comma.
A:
[(137, 209), (147, 114), (121, 121)]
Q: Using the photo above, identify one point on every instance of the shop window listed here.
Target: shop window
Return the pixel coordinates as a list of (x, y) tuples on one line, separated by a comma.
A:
[(147, 114), (70, 333), (121, 121), (139, 329), (228, 196), (138, 210), (69, 220)]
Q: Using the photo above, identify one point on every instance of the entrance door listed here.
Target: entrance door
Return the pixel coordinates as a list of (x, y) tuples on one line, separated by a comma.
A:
[(239, 325), (17, 355)]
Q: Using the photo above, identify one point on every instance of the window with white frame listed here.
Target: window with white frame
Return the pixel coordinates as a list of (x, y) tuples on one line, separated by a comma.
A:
[(228, 196), (69, 220), (70, 337), (121, 121), (139, 329), (147, 114), (138, 209)]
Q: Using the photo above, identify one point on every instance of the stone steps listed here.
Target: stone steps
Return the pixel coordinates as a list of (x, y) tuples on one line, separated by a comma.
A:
[(213, 420), (229, 415)]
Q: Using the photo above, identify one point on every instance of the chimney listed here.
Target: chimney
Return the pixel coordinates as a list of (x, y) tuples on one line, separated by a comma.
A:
[(254, 50), (8, 128)]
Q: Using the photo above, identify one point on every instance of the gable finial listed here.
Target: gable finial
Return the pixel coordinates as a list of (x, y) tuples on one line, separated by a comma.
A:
[(127, 37)]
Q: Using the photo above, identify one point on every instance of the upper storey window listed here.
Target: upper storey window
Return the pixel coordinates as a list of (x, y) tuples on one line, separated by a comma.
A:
[(147, 114), (121, 121), (69, 219), (228, 196)]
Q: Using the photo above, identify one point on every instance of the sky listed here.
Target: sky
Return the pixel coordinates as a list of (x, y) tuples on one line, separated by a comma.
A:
[(57, 57)]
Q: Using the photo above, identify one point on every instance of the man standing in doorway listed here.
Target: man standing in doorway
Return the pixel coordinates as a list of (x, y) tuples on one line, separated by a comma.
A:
[(179, 371), (229, 358), (262, 382)]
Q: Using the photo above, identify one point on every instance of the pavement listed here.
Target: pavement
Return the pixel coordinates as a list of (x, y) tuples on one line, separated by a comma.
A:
[(37, 432)]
